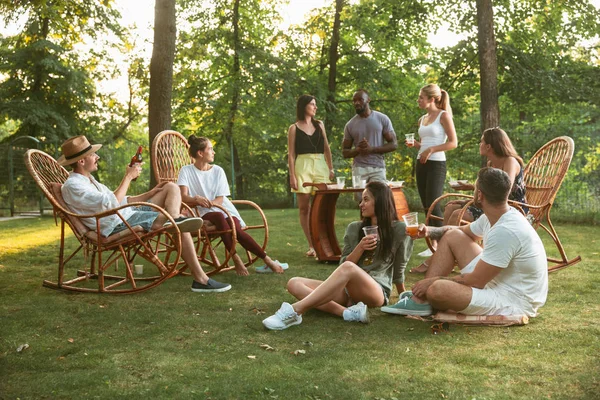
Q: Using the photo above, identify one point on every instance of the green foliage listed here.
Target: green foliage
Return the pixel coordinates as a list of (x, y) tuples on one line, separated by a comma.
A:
[(47, 86)]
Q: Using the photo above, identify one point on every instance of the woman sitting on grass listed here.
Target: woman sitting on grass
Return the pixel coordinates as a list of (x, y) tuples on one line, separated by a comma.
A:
[(203, 184), (367, 267)]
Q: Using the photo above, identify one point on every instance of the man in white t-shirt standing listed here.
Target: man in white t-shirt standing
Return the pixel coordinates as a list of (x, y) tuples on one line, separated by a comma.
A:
[(509, 276), (372, 135)]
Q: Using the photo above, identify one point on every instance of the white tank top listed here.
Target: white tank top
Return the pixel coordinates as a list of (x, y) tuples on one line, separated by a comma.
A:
[(433, 134)]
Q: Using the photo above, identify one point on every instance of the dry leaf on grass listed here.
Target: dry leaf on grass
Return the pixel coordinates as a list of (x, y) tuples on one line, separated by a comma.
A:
[(267, 347), (308, 344), (22, 347), (70, 340), (252, 357), (298, 352), (257, 311)]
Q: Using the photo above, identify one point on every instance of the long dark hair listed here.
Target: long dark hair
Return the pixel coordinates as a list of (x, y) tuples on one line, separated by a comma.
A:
[(501, 144), (301, 109), (385, 211), (196, 144)]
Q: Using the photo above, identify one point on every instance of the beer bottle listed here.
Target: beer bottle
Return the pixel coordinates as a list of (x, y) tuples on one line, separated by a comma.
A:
[(137, 158)]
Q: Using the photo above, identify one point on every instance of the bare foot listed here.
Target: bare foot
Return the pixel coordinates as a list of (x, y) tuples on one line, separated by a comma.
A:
[(421, 269), (240, 268), (310, 253), (275, 267)]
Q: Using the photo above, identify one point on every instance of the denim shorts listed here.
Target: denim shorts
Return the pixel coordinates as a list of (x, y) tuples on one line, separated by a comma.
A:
[(142, 216), (386, 299)]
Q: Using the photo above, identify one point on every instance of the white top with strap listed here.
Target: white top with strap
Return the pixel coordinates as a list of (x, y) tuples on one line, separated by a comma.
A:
[(433, 134)]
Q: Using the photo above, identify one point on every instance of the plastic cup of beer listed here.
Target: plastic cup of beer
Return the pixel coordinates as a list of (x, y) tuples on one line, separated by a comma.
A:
[(371, 231), (341, 182), (410, 139), (139, 269), (412, 223), (356, 181)]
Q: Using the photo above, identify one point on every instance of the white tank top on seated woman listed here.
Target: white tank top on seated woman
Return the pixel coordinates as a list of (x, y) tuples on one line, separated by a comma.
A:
[(432, 135)]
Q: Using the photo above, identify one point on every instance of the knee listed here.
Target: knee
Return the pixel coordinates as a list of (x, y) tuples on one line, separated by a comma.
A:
[(346, 268), (171, 186), (436, 291), (294, 284), (304, 209)]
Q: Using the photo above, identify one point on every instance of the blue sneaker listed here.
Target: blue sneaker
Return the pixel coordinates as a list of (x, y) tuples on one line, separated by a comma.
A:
[(263, 269), (407, 306), (406, 293)]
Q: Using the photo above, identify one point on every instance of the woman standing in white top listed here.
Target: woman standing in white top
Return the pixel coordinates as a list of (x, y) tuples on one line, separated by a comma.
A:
[(203, 184), (437, 134)]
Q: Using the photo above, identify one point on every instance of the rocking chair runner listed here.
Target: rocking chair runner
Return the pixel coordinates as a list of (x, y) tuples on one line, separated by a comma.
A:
[(169, 154), (543, 176), (131, 246)]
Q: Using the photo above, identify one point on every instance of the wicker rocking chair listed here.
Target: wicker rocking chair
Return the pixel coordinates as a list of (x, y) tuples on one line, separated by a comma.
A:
[(122, 250), (169, 154), (543, 176)]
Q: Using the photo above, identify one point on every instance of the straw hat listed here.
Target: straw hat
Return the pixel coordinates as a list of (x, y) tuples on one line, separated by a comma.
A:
[(76, 148)]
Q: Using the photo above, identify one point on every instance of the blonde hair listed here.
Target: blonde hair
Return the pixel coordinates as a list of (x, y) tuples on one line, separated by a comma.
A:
[(442, 99)]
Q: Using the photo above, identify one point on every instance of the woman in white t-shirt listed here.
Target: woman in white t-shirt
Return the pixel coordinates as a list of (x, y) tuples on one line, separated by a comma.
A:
[(204, 184)]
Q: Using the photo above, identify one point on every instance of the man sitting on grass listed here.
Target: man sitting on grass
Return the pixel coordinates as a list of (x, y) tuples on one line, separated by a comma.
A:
[(84, 195), (509, 276)]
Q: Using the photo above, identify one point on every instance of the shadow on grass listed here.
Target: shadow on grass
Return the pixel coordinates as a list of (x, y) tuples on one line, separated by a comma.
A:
[(169, 342)]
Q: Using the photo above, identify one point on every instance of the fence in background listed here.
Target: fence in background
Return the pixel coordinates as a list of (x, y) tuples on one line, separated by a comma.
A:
[(575, 202)]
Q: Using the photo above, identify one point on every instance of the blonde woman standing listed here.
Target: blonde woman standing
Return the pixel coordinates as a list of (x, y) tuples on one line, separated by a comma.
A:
[(437, 135), (309, 158)]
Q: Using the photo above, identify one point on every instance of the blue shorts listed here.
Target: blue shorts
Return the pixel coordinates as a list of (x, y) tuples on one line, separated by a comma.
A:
[(142, 216)]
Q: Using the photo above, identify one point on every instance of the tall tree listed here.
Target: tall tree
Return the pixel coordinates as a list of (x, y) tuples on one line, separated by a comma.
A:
[(161, 70), (486, 44), (333, 59)]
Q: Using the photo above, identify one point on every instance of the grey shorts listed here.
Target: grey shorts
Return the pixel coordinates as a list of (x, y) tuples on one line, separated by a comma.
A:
[(142, 216)]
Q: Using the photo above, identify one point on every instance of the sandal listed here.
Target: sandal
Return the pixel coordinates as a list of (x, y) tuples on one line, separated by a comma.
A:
[(310, 253), (421, 269)]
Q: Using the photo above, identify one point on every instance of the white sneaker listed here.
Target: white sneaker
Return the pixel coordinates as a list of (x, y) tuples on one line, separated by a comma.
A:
[(283, 318), (425, 253), (357, 313)]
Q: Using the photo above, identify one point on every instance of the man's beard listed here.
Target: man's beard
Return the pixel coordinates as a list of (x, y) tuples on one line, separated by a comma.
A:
[(360, 110)]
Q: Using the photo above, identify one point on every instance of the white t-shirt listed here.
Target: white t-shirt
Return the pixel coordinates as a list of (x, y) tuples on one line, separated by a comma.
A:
[(513, 244), (210, 184), (433, 134)]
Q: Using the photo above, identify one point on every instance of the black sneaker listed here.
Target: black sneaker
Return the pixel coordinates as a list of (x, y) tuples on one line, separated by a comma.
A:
[(211, 286), (186, 224)]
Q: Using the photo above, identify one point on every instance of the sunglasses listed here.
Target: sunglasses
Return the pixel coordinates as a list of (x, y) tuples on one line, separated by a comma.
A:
[(442, 327)]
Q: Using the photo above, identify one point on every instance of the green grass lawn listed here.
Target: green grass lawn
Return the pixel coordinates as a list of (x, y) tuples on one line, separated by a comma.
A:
[(171, 343)]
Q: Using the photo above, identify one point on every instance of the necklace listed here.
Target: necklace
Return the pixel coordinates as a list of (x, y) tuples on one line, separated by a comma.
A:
[(309, 137)]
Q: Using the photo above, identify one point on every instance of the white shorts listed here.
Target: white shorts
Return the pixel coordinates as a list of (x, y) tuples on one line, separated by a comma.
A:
[(493, 300), (369, 173)]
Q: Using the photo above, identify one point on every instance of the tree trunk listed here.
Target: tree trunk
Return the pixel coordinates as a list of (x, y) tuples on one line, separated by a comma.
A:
[(333, 59), (238, 183), (490, 112), (161, 71)]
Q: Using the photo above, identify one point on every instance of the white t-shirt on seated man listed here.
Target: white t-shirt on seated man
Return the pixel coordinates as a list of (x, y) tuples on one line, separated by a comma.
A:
[(513, 245), (509, 276)]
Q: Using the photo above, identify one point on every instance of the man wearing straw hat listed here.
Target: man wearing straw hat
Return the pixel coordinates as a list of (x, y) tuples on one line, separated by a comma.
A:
[(84, 195)]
